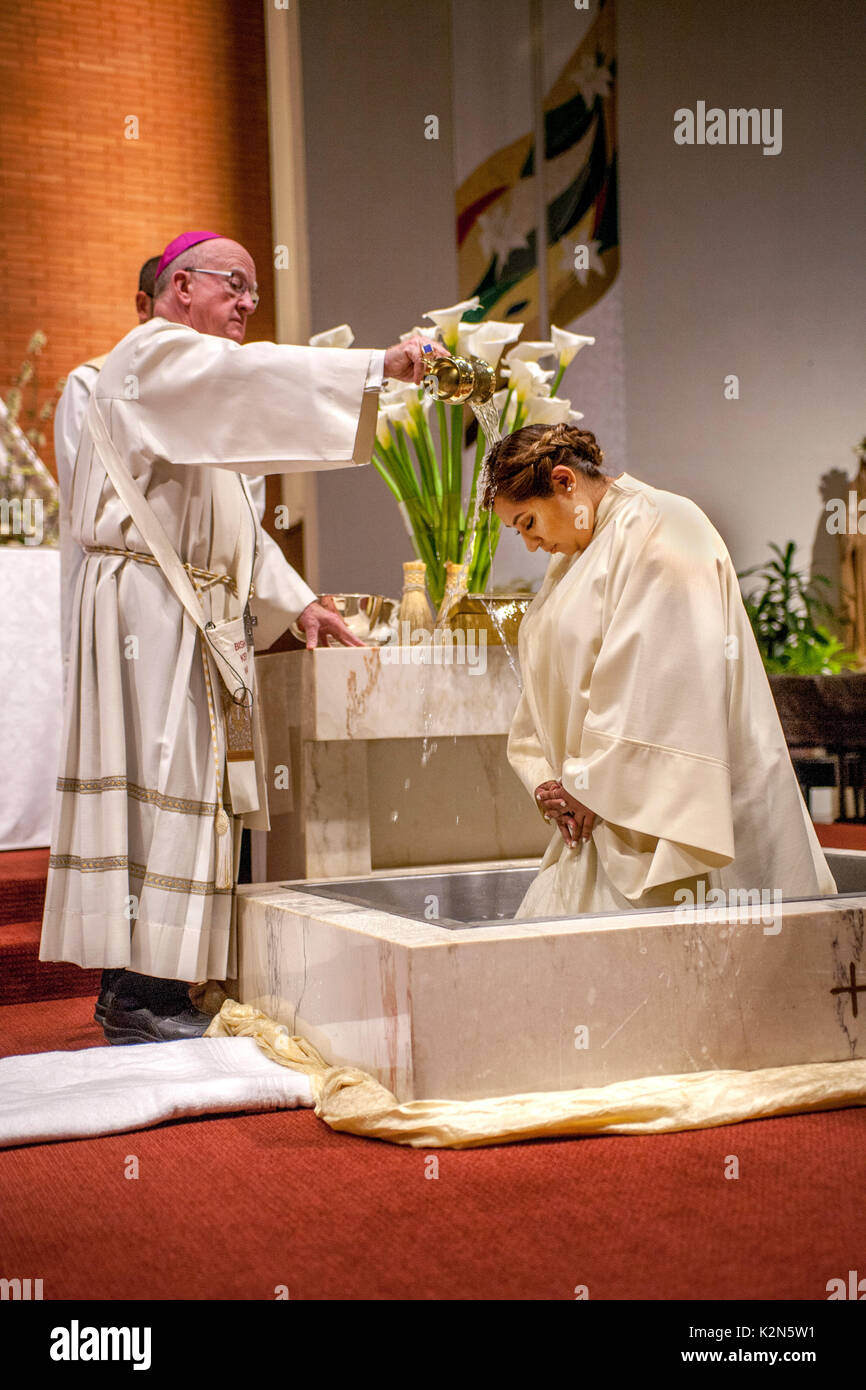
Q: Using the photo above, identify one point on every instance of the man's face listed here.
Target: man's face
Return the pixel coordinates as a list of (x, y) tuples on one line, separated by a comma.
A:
[(212, 305)]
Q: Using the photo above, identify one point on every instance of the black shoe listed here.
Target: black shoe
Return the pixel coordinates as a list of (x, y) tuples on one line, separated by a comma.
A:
[(129, 1022), (145, 1009), (110, 981)]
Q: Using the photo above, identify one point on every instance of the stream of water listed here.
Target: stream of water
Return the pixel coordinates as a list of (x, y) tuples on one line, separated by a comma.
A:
[(487, 416), (493, 614)]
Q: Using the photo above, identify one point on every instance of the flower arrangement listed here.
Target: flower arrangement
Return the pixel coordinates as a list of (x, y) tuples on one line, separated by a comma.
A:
[(25, 481), (421, 460)]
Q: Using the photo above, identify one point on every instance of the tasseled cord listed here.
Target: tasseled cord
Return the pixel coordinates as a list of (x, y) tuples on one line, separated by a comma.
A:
[(224, 866)]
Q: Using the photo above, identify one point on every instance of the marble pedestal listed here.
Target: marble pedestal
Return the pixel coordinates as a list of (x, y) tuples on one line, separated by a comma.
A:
[(360, 748), (535, 1006)]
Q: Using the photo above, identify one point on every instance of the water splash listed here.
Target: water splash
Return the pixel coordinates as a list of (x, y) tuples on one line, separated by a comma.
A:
[(493, 613)]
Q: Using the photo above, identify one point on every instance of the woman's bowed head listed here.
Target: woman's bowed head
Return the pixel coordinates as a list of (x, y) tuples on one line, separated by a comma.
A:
[(546, 482)]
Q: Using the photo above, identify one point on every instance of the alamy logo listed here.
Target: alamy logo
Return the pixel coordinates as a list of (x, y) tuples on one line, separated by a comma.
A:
[(855, 1289), (737, 126), (21, 1289), (76, 1343), (710, 905), (22, 517), (441, 647)]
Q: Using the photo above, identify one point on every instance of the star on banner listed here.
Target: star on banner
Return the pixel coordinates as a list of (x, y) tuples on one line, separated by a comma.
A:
[(500, 235), (592, 79)]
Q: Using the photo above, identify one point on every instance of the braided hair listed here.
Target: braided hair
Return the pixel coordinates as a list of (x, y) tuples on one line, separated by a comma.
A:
[(520, 465)]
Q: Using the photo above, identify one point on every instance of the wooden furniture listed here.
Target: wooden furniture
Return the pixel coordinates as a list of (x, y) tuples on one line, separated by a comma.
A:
[(824, 721)]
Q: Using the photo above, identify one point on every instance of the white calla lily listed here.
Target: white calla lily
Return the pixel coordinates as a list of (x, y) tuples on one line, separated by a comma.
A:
[(340, 337), (547, 410), (526, 378), (530, 352), (401, 393), (396, 414), (446, 320), (497, 328), (488, 340), (488, 349), (574, 416), (398, 393), (568, 345), (427, 335), (383, 433), (465, 332)]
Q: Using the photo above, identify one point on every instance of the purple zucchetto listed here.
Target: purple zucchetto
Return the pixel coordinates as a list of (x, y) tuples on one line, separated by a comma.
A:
[(183, 243)]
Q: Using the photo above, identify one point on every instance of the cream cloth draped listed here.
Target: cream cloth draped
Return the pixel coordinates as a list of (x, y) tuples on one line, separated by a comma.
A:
[(353, 1102), (645, 695)]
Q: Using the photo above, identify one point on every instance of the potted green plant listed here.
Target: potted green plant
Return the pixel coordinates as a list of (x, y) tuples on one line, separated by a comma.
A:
[(820, 696), (784, 613)]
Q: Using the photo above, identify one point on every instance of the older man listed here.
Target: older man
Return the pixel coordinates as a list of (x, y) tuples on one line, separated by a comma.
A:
[(162, 760), (68, 425)]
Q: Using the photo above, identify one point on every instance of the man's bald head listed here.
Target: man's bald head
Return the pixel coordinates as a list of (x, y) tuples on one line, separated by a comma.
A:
[(206, 301)]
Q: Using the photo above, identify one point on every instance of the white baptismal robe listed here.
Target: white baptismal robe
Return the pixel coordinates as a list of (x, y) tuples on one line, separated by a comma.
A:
[(645, 695), (132, 869)]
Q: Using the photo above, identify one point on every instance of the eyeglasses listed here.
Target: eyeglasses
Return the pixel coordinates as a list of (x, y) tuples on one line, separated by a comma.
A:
[(237, 284)]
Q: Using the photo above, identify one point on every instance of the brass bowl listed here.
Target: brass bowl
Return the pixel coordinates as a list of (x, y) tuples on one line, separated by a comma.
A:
[(499, 615), (371, 618)]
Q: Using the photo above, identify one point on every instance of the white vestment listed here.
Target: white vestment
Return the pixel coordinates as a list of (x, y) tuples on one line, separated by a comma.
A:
[(132, 870), (646, 697), (68, 424)]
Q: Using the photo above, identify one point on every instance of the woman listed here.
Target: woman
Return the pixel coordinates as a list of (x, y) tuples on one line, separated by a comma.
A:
[(647, 730)]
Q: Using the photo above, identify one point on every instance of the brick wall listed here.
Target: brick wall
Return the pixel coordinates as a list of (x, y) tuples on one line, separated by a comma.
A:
[(81, 205)]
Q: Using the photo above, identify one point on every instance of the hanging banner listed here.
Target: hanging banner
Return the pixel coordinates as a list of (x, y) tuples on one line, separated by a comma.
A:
[(497, 203)]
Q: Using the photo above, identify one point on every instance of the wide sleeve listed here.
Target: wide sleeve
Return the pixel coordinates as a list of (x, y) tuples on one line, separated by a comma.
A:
[(650, 756), (255, 408), (524, 750), (281, 595)]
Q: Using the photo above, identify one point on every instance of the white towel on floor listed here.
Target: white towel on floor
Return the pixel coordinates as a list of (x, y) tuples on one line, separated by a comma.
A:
[(109, 1090)]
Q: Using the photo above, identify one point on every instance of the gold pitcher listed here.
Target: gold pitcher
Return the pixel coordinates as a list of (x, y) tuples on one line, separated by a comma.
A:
[(456, 380)]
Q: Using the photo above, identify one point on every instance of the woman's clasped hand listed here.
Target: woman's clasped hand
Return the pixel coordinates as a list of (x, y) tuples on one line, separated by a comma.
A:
[(574, 820)]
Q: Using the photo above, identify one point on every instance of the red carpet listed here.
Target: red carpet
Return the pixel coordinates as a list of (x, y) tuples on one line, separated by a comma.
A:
[(841, 835), (230, 1208), (23, 976)]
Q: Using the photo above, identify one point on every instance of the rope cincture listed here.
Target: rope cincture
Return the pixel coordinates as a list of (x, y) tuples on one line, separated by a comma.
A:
[(205, 577)]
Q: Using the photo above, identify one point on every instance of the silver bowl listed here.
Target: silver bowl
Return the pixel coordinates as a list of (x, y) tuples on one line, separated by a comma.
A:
[(371, 618)]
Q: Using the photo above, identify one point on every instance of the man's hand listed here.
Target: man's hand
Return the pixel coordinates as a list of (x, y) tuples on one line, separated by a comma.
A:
[(405, 361), (575, 821), (319, 621)]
